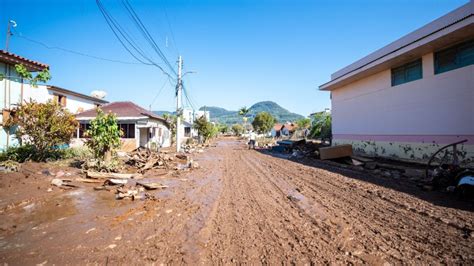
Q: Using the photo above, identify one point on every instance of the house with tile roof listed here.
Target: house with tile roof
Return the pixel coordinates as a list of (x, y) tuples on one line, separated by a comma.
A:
[(411, 97), (140, 127), (15, 91)]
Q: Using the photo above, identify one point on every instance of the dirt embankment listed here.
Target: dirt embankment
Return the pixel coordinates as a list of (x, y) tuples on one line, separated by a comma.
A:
[(241, 206)]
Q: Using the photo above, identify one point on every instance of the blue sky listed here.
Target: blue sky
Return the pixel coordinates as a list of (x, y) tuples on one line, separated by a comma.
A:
[(243, 51)]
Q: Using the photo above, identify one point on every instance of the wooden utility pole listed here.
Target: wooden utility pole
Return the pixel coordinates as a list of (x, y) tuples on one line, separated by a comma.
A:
[(179, 88), (9, 33)]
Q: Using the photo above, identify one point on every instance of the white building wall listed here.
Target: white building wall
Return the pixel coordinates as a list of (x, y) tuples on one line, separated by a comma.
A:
[(423, 114), (10, 97), (42, 94)]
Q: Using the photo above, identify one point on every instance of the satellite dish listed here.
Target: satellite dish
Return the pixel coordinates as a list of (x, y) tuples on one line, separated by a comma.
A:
[(99, 94)]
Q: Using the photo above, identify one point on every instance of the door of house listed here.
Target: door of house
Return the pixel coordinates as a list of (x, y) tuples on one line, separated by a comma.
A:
[(143, 137)]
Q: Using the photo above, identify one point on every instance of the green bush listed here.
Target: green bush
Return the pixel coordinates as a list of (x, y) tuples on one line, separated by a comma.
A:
[(29, 152), (80, 153)]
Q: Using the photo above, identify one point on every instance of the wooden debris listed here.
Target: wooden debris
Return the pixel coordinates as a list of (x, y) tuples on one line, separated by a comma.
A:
[(88, 180), (146, 160), (335, 152), (97, 175), (117, 181), (152, 185)]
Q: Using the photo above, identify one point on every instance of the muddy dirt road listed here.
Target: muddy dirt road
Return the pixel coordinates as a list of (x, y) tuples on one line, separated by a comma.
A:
[(241, 206)]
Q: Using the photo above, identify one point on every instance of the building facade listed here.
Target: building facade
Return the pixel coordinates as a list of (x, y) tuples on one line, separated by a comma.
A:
[(412, 96), (140, 127), (15, 91)]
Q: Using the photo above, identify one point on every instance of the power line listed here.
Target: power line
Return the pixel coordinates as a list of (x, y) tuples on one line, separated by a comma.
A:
[(159, 92), (146, 34), (175, 45), (20, 35), (115, 27)]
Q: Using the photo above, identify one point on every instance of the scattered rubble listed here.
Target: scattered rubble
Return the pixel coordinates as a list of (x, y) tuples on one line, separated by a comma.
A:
[(9, 166)]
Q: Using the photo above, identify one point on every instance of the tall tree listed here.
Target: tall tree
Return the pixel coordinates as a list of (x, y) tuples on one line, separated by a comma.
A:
[(244, 112), (263, 122)]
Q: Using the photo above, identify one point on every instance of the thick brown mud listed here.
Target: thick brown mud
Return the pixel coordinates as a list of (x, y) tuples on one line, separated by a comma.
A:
[(241, 206)]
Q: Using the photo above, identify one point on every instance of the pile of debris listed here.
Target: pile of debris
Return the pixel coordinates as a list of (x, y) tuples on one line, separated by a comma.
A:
[(192, 148), (144, 160), (9, 166), (125, 186)]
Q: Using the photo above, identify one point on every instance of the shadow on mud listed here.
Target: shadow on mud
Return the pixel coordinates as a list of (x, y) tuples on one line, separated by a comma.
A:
[(401, 184)]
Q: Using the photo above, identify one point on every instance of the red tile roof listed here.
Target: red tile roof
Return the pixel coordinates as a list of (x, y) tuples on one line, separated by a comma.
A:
[(290, 126), (121, 110), (277, 127), (14, 59)]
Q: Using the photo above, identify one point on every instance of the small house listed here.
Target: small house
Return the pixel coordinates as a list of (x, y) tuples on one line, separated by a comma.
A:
[(140, 127)]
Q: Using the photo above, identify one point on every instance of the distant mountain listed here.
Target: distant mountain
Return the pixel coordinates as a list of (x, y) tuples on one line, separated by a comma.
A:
[(224, 116), (161, 113)]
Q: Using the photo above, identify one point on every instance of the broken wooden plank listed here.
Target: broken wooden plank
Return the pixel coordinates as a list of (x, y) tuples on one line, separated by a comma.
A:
[(152, 185), (97, 175), (335, 152), (89, 180), (117, 181)]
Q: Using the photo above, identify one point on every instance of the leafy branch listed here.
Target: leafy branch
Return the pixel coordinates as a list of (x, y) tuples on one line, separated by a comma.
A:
[(42, 76)]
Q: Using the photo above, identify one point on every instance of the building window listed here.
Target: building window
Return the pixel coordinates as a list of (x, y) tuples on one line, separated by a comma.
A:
[(406, 73), (187, 132), (61, 99), (128, 131), (82, 129), (457, 56)]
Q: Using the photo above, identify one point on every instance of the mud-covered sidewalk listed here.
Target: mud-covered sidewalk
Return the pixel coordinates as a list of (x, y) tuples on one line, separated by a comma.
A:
[(241, 206)]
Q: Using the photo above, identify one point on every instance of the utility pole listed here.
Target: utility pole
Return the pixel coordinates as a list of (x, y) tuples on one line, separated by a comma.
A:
[(179, 88), (9, 33)]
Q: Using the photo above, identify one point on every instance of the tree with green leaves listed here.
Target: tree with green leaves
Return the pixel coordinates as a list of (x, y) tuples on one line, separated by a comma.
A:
[(263, 122), (322, 126), (44, 126), (237, 129), (243, 112), (205, 128), (25, 74), (304, 123), (103, 135), (171, 119), (223, 128)]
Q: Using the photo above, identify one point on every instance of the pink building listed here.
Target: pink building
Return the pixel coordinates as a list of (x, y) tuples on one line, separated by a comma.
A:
[(412, 96)]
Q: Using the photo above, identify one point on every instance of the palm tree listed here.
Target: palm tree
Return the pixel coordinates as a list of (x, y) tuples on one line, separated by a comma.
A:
[(243, 112)]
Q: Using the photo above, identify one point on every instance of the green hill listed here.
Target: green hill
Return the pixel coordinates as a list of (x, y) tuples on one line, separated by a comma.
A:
[(221, 115)]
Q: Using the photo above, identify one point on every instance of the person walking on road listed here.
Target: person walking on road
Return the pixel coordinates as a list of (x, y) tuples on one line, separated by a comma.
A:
[(252, 140)]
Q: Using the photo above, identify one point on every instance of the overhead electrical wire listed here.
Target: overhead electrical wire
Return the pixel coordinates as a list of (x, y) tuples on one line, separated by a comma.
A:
[(175, 45), (159, 92), (146, 34), (118, 30), (20, 35)]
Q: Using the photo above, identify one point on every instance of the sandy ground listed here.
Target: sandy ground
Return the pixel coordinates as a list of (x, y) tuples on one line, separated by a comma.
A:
[(241, 206)]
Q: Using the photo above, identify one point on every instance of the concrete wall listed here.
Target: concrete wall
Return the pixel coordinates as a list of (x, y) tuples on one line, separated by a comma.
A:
[(11, 88), (409, 120), (42, 94)]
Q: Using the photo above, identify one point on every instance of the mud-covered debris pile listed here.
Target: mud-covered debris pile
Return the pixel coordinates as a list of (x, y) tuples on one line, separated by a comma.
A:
[(145, 160)]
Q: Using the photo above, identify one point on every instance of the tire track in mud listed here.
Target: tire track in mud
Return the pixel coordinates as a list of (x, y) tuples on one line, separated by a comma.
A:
[(412, 230), (251, 233), (294, 235)]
